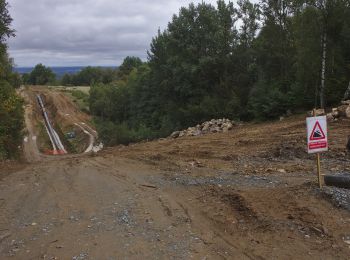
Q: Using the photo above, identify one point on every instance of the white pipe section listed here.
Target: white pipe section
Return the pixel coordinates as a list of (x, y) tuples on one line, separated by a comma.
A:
[(52, 142), (54, 138), (88, 127), (91, 144), (60, 145)]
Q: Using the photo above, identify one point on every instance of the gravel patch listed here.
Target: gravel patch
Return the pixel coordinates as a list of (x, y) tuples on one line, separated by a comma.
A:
[(340, 197), (222, 179)]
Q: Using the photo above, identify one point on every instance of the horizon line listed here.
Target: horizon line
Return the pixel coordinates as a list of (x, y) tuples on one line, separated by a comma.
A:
[(62, 66)]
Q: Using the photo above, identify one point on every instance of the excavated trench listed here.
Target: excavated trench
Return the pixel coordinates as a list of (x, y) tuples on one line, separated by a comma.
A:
[(66, 119)]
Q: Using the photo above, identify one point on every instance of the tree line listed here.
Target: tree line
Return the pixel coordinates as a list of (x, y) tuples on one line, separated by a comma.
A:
[(43, 75), (245, 61), (11, 106)]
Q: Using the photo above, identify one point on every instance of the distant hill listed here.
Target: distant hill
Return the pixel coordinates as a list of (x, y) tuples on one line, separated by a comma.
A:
[(59, 71)]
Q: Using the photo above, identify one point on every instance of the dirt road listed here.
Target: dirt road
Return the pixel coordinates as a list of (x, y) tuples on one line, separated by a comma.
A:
[(247, 194), (30, 147)]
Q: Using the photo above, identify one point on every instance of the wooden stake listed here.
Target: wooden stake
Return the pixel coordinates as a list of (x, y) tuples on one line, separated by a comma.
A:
[(318, 162), (319, 170)]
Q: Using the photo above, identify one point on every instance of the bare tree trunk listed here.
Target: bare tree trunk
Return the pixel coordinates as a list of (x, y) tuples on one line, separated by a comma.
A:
[(323, 69), (347, 93)]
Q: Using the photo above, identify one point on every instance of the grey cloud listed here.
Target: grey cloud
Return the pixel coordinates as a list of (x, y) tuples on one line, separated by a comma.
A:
[(90, 32)]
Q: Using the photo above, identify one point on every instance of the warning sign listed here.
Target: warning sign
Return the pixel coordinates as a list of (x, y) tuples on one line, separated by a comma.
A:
[(317, 134)]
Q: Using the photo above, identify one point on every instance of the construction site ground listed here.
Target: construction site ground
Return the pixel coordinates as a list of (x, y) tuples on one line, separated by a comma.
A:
[(250, 193)]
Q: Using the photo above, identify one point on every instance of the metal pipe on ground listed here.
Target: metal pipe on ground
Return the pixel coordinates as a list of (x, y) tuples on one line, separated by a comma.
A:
[(54, 138), (340, 181)]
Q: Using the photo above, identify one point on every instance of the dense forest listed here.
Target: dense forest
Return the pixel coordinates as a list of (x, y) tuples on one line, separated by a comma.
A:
[(11, 110), (245, 61)]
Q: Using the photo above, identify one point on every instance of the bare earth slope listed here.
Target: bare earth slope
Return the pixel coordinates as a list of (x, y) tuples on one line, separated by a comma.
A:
[(247, 194)]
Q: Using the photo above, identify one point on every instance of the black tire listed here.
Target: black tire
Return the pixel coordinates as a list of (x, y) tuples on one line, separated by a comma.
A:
[(340, 181)]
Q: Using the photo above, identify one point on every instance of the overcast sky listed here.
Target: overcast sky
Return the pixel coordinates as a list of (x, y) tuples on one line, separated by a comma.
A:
[(86, 32)]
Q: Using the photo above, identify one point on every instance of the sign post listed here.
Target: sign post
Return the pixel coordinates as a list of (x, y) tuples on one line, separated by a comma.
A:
[(318, 159), (317, 140)]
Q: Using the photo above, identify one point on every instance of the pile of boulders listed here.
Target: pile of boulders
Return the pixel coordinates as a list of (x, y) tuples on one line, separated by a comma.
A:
[(316, 112), (212, 126), (341, 111)]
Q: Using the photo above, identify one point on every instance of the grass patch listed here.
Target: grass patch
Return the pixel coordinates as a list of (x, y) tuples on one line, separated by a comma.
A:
[(79, 95), (80, 98), (84, 89)]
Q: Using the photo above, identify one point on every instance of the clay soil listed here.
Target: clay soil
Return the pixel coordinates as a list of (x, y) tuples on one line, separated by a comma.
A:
[(250, 193)]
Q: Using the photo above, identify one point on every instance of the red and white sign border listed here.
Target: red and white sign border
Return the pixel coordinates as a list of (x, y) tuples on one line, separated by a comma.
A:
[(317, 144)]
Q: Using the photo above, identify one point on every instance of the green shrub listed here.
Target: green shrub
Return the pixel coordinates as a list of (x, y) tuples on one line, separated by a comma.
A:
[(267, 101), (11, 121), (114, 133)]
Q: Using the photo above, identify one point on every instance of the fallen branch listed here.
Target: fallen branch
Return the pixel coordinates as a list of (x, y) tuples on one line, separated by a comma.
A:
[(149, 186)]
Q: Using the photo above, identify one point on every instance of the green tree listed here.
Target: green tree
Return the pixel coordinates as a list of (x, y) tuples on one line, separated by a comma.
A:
[(11, 120), (66, 80), (244, 59), (332, 18), (41, 75), (191, 62), (5, 22), (129, 63), (89, 76), (307, 58), (11, 106), (275, 59), (322, 57)]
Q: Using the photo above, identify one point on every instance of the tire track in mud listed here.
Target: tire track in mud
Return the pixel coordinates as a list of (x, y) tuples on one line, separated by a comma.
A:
[(157, 206)]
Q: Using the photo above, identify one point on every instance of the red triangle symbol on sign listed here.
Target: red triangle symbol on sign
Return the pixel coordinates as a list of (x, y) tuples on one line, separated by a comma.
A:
[(317, 132)]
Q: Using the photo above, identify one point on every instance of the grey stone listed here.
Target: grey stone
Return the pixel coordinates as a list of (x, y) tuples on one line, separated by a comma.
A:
[(175, 134)]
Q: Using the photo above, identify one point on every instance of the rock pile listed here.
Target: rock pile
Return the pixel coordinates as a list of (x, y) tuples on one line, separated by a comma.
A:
[(341, 111), (212, 126), (317, 112)]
